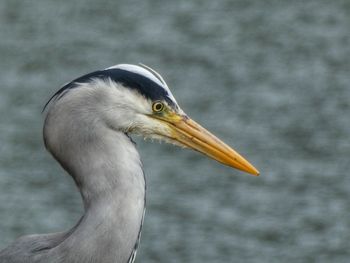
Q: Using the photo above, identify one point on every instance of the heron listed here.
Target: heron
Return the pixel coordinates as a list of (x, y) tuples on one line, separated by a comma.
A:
[(87, 129)]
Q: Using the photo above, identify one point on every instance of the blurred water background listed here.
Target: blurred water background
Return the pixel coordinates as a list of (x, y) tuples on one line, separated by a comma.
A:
[(270, 78)]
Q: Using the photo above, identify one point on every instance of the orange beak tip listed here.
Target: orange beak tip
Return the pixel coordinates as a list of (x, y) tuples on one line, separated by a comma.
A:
[(254, 171)]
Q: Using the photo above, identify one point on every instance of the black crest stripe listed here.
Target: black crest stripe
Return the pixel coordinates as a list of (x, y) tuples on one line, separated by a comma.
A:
[(145, 86)]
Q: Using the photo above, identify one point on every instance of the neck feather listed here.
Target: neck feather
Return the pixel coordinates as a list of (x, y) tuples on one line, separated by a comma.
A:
[(107, 170)]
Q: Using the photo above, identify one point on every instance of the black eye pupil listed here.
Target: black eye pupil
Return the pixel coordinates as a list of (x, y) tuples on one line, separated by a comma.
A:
[(158, 106)]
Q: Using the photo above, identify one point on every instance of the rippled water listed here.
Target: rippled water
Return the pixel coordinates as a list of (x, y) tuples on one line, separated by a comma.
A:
[(269, 77)]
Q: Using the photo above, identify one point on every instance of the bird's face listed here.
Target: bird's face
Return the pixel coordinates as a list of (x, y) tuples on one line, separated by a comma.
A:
[(162, 118)]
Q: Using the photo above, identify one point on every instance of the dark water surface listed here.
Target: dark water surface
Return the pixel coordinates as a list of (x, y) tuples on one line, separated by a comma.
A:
[(271, 78)]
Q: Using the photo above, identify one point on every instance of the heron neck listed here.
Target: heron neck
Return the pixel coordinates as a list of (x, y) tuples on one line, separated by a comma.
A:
[(110, 169), (108, 172)]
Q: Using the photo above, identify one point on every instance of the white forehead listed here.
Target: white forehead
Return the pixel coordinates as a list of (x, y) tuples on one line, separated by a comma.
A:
[(146, 72)]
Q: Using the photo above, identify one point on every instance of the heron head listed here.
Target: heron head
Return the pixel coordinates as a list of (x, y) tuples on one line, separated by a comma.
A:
[(135, 99)]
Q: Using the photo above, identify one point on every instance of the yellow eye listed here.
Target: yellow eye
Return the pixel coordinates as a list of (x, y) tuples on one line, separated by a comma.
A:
[(157, 106)]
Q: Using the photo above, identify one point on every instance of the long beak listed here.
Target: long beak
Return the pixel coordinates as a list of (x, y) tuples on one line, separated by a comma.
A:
[(191, 134)]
